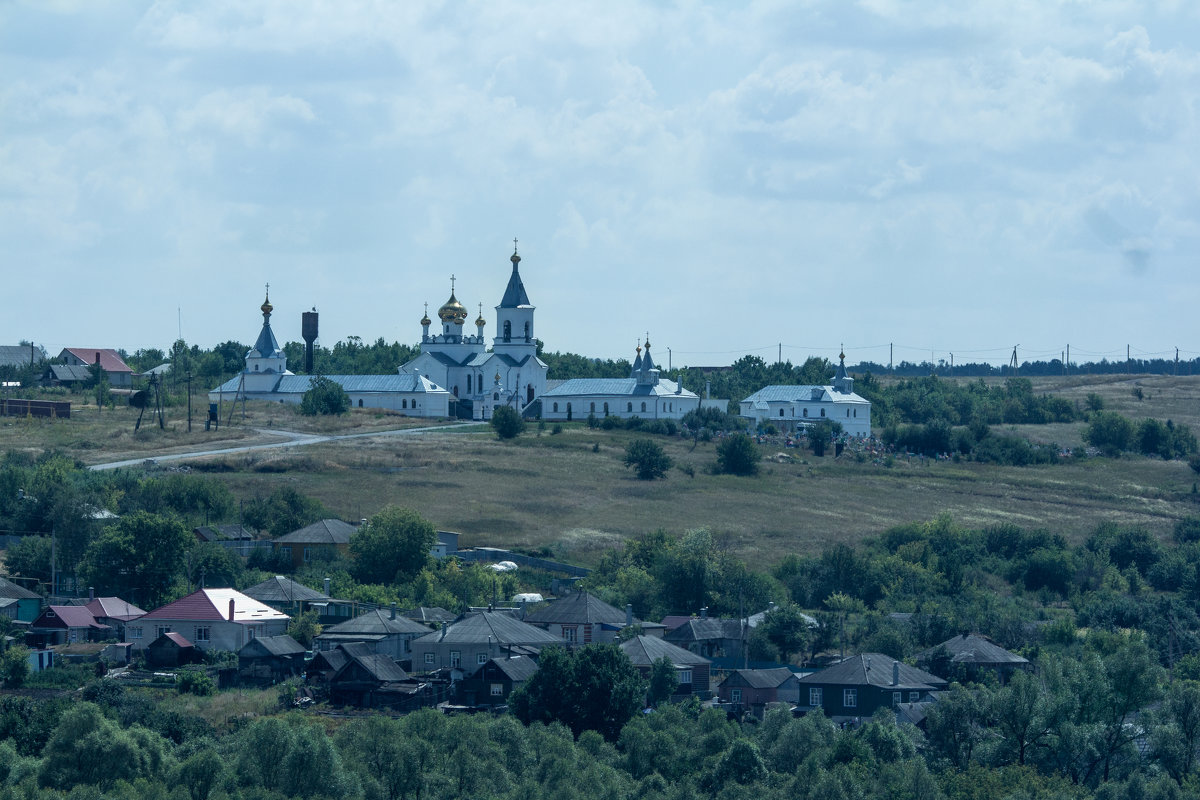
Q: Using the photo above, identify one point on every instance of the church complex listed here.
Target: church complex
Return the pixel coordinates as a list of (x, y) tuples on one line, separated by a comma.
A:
[(457, 375)]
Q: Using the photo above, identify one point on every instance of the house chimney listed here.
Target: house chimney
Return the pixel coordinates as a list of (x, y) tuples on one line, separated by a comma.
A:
[(91, 593), (231, 609), (393, 610), (629, 613), (895, 673), (327, 585), (704, 613)]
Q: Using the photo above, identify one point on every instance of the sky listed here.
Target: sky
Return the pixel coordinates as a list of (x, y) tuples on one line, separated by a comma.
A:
[(727, 178)]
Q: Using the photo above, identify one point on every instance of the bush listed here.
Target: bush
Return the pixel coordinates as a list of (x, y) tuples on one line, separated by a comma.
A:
[(507, 423), (195, 681), (648, 457), (1110, 432), (738, 455), (325, 397)]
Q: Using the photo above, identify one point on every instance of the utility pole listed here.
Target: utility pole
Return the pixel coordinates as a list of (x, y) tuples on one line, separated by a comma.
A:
[(779, 360), (952, 365), (1067, 363), (890, 369), (669, 362), (189, 385), (1013, 362), (1176, 362)]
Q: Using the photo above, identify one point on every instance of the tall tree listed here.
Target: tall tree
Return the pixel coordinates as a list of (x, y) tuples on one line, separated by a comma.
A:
[(139, 557), (394, 545), (592, 688)]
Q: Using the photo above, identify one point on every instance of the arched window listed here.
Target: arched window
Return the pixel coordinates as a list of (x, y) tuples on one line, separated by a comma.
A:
[(256, 367), (495, 395), (529, 393), (806, 412), (629, 407), (847, 412), (643, 406), (527, 331), (456, 390), (360, 402), (593, 408), (606, 409), (404, 404), (856, 413), (822, 412), (556, 407), (468, 384), (507, 331), (781, 412)]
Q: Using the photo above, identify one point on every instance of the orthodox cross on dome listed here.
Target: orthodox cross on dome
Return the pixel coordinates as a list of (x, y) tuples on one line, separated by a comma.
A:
[(514, 244), (427, 308), (451, 284)]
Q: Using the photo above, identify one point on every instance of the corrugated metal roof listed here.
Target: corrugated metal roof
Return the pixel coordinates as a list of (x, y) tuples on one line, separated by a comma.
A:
[(326, 531), (974, 649), (483, 627), (577, 608), (67, 616), (802, 394), (643, 651), (377, 622), (113, 608), (360, 384), (616, 387), (20, 355), (282, 645), (874, 669), (110, 360), (10, 589), (760, 678), (266, 346), (283, 590), (514, 293), (517, 668), (213, 604)]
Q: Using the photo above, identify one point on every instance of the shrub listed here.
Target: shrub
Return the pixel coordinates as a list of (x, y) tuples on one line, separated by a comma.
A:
[(649, 459), (507, 423), (738, 455), (1110, 432), (325, 397), (194, 681), (557, 429)]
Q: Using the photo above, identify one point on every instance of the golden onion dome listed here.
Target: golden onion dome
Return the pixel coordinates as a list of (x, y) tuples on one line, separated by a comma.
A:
[(266, 307), (480, 321), (452, 311), (425, 320)]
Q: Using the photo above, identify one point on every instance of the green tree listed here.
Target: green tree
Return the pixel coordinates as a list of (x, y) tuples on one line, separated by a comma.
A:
[(305, 627), (1110, 432), (325, 397), (14, 666), (393, 546), (30, 558), (88, 748), (594, 687), (787, 630), (284, 511), (649, 459), (664, 681), (1176, 739), (738, 455), (507, 423), (139, 557)]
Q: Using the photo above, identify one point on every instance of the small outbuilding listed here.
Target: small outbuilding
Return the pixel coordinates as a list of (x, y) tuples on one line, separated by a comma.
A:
[(270, 659), (172, 650)]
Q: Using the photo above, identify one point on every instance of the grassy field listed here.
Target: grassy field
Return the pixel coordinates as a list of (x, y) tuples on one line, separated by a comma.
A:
[(571, 495)]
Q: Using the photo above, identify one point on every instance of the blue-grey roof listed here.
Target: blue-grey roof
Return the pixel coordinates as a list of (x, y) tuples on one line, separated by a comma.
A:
[(514, 293), (586, 387), (801, 394), (360, 384), (266, 346)]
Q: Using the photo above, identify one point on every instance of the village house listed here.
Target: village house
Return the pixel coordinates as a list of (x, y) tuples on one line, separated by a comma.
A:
[(320, 541), (752, 690), (270, 659), (113, 612), (692, 670), (292, 598), (582, 618), (68, 624), (384, 632), (711, 637), (212, 619), (860, 685), (170, 649), (965, 656), (493, 682), (26, 605), (474, 639), (119, 374)]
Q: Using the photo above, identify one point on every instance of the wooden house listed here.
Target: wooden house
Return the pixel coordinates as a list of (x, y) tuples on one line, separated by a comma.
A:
[(692, 670), (860, 685), (491, 685), (270, 659), (753, 690), (319, 541)]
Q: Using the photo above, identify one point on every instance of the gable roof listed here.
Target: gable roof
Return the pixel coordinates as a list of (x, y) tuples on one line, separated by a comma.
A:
[(282, 645), (363, 384), (875, 669), (761, 678), (620, 387), (113, 608), (430, 615), (69, 372), (516, 668), (378, 622), (176, 638), (280, 589), (707, 629), (802, 394), (971, 648), (213, 605), (67, 617), (379, 667), (577, 608), (110, 360), (326, 531), (20, 355), (213, 533), (482, 627), (643, 651), (10, 589)]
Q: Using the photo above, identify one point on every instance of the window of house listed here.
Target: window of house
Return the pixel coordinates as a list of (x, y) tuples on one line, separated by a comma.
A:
[(404, 403), (568, 408), (593, 408), (481, 658), (556, 407), (429, 658), (815, 698), (497, 690), (781, 412), (897, 698), (806, 412), (643, 406), (847, 412), (159, 630), (822, 412), (629, 406), (455, 658), (360, 405), (856, 413), (850, 698), (685, 676), (507, 331), (568, 634), (203, 634), (286, 550), (307, 553), (134, 632), (914, 697), (735, 695), (469, 384), (606, 409)]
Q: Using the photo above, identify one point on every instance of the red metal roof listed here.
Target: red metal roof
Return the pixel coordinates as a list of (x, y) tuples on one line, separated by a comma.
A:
[(213, 604), (178, 638), (66, 617), (110, 360), (113, 608)]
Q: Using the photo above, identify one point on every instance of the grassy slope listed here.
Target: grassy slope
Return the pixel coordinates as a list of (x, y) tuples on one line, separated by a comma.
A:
[(555, 492)]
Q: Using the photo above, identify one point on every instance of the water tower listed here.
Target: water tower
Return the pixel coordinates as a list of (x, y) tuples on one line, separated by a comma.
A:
[(308, 331)]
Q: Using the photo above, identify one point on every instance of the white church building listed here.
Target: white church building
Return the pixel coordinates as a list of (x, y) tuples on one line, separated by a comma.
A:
[(643, 394), (266, 377), (792, 407), (511, 374)]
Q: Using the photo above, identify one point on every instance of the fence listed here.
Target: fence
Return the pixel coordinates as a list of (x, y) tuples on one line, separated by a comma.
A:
[(49, 409)]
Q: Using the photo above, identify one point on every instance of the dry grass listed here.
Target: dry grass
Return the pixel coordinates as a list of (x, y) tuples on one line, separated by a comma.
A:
[(224, 710)]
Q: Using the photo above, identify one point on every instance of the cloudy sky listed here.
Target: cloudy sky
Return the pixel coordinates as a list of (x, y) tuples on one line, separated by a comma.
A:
[(944, 175)]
